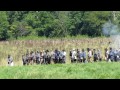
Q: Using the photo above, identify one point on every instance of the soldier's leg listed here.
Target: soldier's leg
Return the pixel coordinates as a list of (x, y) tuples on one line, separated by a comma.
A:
[(84, 60), (49, 61), (64, 59), (80, 60), (71, 60), (88, 59), (100, 59)]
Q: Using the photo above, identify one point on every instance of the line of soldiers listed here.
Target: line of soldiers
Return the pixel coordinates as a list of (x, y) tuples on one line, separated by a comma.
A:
[(112, 55), (57, 56), (94, 55), (83, 56), (44, 57)]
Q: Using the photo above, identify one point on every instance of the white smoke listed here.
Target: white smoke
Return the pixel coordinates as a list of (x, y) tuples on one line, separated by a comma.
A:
[(109, 29)]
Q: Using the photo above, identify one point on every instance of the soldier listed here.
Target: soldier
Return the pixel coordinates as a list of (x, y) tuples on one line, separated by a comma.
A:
[(57, 56), (83, 56), (78, 52), (70, 54), (64, 56), (27, 59), (52, 54), (47, 57), (43, 54), (119, 54), (24, 60), (60, 57), (99, 55), (33, 57), (116, 57), (74, 57), (111, 55), (95, 56), (106, 54), (79, 56), (41, 57), (38, 57), (89, 55), (10, 60)]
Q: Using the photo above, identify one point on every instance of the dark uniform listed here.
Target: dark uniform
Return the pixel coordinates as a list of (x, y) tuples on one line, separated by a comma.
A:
[(47, 57), (57, 56), (38, 57), (95, 56), (111, 55), (116, 57), (83, 56)]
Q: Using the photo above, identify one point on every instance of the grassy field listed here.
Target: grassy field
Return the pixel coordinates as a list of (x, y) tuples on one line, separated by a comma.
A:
[(98, 70), (17, 48)]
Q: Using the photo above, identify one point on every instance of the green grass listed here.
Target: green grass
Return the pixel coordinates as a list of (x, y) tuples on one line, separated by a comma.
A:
[(98, 70)]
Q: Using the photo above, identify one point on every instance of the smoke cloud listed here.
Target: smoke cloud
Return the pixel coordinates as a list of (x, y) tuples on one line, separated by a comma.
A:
[(112, 30)]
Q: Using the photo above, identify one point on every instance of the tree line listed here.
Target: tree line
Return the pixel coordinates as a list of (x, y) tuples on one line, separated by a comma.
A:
[(14, 24)]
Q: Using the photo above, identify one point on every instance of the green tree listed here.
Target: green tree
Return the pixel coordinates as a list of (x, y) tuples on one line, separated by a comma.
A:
[(61, 24), (3, 26), (19, 29), (93, 22)]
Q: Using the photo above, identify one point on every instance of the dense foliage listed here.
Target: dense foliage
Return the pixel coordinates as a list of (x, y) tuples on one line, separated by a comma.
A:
[(14, 24)]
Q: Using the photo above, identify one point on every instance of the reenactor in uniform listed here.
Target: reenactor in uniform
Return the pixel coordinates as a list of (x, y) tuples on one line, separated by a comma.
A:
[(116, 57), (60, 57), (31, 57), (64, 56), (83, 56), (74, 56), (47, 57), (111, 55), (89, 55), (24, 60), (79, 56), (95, 56), (56, 56), (106, 54), (34, 57), (10, 60), (78, 52), (52, 54), (99, 55), (43, 54), (119, 54), (70, 54), (37, 57), (41, 57)]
